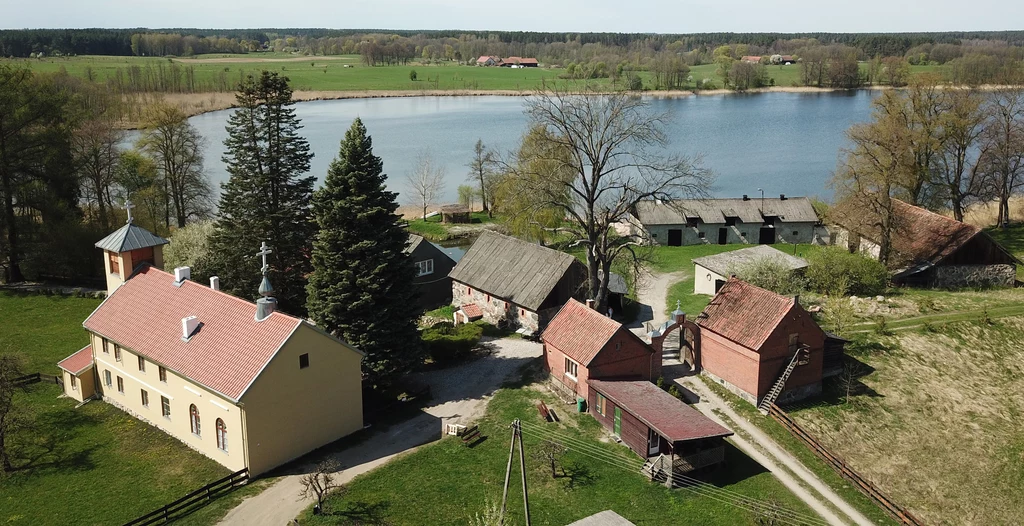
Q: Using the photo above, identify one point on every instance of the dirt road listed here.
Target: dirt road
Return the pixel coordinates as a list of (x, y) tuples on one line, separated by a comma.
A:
[(459, 394), (652, 294)]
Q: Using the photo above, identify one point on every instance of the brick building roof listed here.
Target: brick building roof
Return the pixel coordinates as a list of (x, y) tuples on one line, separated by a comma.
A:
[(660, 411), (580, 332), (226, 353), (78, 362), (744, 313)]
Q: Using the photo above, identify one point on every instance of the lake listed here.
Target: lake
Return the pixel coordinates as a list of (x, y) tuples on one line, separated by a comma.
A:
[(785, 143)]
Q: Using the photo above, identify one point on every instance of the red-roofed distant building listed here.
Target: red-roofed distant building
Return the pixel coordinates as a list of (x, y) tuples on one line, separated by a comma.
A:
[(244, 385), (752, 59), (488, 60), (581, 344), (512, 62), (752, 340)]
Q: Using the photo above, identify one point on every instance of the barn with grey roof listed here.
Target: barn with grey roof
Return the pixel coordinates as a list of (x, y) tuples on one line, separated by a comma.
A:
[(511, 279), (747, 220), (711, 272)]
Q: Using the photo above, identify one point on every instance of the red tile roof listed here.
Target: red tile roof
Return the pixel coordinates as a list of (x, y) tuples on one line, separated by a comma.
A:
[(660, 411), (751, 58), (580, 332), (226, 353), (78, 362), (472, 311), (744, 313)]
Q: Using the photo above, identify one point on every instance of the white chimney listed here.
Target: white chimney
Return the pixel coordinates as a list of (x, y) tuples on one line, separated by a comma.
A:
[(181, 274), (188, 326), (215, 283)]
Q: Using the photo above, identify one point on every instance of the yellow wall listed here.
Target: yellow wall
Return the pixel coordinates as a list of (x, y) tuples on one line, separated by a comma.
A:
[(290, 411), (182, 393), (85, 386), (126, 265)]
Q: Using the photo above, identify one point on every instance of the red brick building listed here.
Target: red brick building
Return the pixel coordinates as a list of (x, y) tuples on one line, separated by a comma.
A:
[(748, 337), (581, 344)]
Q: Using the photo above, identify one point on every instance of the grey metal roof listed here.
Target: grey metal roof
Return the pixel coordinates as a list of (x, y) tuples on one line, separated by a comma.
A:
[(605, 518), (714, 211), (130, 237), (510, 268), (726, 262), (414, 241)]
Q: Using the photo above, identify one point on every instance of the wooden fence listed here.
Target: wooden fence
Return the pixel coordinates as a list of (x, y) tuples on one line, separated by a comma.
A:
[(193, 500), (865, 486), (35, 378)]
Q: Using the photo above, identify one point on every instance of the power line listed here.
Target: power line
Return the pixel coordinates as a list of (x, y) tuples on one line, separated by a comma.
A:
[(709, 490)]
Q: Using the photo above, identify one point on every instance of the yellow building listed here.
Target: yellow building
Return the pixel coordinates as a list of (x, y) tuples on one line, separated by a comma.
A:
[(244, 385)]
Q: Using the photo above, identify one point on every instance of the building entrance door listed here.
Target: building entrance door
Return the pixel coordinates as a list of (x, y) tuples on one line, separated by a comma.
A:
[(723, 235), (653, 443), (766, 236), (675, 237), (618, 422)]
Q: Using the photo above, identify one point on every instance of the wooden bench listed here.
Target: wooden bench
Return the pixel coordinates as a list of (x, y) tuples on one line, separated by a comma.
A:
[(470, 435)]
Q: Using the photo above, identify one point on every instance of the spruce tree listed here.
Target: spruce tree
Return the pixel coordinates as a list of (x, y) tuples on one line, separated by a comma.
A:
[(361, 287), (267, 196)]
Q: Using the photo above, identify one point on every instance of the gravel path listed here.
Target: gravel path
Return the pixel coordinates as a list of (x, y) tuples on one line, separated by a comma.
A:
[(459, 394), (652, 295)]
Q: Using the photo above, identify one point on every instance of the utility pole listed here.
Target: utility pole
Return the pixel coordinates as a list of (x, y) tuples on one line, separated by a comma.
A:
[(517, 436)]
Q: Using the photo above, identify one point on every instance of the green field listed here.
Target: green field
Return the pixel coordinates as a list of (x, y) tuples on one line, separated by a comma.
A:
[(347, 72), (91, 465), (448, 483)]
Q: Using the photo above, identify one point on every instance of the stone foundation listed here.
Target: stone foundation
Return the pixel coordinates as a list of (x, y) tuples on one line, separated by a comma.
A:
[(958, 276), (494, 308)]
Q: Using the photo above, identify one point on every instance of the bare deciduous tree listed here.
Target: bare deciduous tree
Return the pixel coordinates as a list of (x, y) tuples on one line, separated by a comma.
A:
[(958, 166), (1003, 147), (176, 147), (614, 161), (550, 453), (10, 417), (320, 482), (97, 152), (848, 381), (481, 172), (426, 181)]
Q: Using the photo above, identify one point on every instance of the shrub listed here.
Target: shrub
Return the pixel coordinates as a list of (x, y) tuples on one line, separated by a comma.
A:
[(447, 343), (412, 75), (836, 272), (772, 274)]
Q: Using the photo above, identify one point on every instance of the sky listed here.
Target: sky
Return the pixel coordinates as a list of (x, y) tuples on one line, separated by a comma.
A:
[(640, 16)]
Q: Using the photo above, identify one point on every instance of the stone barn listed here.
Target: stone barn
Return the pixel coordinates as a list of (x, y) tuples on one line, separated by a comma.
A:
[(711, 272), (516, 282), (748, 220), (455, 214), (929, 249)]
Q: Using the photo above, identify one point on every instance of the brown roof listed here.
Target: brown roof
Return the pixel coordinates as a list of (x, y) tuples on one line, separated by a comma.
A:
[(580, 332), (518, 271), (227, 352), (918, 235), (78, 362), (751, 58), (662, 412), (744, 313), (454, 209)]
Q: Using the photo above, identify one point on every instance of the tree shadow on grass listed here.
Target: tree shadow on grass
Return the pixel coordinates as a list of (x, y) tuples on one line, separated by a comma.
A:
[(575, 474), (46, 442), (737, 467), (359, 512)]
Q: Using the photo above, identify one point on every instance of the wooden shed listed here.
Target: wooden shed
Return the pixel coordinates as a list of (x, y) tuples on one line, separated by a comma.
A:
[(455, 214)]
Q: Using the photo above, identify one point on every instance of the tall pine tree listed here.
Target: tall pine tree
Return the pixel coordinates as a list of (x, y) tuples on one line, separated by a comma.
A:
[(361, 288), (267, 197)]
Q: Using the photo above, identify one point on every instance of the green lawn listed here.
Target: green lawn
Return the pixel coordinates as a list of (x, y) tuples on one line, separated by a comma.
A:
[(448, 483), (95, 464), (434, 230)]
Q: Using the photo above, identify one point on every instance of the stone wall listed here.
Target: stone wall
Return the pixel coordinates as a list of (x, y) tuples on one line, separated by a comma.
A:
[(494, 308), (741, 233), (956, 276)]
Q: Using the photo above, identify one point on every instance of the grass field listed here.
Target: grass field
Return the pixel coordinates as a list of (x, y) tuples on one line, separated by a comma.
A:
[(433, 229), (448, 483), (347, 73), (95, 464), (935, 420)]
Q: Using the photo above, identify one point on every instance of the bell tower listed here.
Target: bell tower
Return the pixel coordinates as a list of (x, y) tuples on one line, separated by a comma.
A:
[(127, 248)]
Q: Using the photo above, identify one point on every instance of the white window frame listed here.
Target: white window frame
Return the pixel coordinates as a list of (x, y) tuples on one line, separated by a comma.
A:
[(107, 380), (166, 414), (74, 382), (425, 267), (571, 364)]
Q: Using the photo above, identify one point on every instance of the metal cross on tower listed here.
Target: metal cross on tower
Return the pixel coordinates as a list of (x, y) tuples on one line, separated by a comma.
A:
[(128, 205), (264, 251)]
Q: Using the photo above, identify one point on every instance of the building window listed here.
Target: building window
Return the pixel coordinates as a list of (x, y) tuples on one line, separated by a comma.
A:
[(74, 383), (163, 374), (115, 264), (142, 364), (222, 436), (796, 233), (106, 346), (193, 415), (145, 398), (692, 221), (424, 268), (120, 385), (700, 235), (571, 368), (469, 290), (601, 410), (117, 353), (165, 406), (488, 298), (106, 378), (730, 221), (303, 361)]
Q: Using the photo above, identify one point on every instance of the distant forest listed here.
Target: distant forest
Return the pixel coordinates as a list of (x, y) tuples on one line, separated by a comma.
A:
[(465, 44)]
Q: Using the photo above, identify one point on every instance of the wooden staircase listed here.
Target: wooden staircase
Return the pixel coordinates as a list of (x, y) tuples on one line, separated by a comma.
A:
[(800, 357)]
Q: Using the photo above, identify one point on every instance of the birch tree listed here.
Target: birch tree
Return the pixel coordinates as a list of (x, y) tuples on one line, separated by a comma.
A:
[(425, 182)]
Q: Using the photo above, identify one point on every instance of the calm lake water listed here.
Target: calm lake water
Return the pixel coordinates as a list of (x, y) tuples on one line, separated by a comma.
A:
[(782, 142)]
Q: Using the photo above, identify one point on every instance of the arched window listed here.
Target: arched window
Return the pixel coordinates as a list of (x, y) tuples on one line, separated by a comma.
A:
[(222, 435), (193, 414)]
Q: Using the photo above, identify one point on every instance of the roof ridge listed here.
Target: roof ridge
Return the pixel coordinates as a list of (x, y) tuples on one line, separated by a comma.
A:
[(190, 282)]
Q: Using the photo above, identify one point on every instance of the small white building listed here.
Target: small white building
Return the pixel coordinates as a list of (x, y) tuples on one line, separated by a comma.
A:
[(711, 272)]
